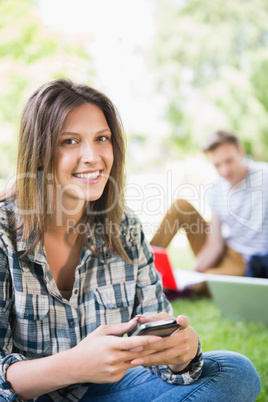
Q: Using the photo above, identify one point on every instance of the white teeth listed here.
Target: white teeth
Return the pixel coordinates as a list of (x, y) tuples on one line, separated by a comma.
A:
[(92, 175)]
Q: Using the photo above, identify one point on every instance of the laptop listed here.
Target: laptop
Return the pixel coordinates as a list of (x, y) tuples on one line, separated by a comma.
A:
[(237, 297), (240, 298)]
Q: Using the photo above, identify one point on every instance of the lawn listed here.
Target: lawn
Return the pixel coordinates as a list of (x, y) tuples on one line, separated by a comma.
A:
[(215, 333)]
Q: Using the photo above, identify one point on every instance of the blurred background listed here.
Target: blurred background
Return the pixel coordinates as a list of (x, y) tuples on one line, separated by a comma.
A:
[(176, 69)]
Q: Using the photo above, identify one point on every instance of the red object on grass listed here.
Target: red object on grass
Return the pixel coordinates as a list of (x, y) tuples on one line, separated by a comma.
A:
[(163, 266)]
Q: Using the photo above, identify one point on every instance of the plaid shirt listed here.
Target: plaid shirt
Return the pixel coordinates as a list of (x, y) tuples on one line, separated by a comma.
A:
[(36, 321)]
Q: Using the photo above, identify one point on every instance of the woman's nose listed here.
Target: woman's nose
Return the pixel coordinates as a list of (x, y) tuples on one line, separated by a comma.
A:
[(90, 154)]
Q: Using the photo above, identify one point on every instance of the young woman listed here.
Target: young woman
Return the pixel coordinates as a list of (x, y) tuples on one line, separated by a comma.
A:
[(76, 273)]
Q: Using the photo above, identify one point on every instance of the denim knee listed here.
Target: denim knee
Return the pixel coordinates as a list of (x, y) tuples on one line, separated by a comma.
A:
[(237, 372)]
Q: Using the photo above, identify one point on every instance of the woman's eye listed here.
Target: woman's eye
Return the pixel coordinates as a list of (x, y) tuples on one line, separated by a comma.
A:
[(68, 141), (103, 138)]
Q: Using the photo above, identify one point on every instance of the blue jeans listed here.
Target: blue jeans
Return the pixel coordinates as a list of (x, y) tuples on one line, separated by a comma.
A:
[(226, 377)]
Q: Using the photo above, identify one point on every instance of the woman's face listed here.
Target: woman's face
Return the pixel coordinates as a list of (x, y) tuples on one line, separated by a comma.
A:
[(84, 156)]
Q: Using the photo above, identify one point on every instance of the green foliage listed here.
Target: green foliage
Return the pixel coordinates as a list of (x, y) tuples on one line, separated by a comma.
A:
[(30, 54), (211, 60), (11, 98), (137, 138)]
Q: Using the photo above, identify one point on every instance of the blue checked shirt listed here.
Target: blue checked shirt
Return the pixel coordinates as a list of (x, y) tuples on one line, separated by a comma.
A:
[(36, 321)]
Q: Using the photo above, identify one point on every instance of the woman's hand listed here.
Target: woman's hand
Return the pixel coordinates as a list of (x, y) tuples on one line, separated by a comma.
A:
[(176, 350), (104, 356)]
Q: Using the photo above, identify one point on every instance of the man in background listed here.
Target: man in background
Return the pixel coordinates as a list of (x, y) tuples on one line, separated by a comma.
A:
[(239, 208)]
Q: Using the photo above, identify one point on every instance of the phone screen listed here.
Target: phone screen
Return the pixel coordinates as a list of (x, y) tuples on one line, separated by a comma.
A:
[(160, 328)]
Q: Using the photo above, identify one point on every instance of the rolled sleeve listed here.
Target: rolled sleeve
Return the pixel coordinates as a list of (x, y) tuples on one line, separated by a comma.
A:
[(191, 373), (5, 388)]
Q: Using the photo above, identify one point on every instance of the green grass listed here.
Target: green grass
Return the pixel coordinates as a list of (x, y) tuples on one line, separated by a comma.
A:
[(216, 333)]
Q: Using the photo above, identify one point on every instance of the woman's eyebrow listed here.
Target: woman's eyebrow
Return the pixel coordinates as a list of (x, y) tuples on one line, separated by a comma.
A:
[(104, 130)]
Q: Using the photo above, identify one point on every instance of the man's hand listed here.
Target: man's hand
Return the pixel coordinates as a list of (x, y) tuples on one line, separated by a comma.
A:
[(213, 248)]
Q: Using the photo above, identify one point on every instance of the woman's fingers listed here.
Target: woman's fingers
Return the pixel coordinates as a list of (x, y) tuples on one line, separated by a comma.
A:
[(183, 321), (117, 329), (178, 348), (142, 319)]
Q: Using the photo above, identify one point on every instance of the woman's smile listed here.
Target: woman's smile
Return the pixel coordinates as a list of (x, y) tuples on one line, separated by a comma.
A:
[(88, 175)]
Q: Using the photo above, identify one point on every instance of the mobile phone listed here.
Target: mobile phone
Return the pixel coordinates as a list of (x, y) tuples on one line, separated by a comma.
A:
[(160, 328)]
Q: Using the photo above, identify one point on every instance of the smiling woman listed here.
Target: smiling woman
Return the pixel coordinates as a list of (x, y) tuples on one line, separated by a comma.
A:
[(68, 295), (67, 132)]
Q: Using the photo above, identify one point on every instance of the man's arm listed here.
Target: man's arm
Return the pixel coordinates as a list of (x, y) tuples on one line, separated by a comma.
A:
[(213, 247)]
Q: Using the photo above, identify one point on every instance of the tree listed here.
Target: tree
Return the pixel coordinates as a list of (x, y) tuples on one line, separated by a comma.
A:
[(211, 61)]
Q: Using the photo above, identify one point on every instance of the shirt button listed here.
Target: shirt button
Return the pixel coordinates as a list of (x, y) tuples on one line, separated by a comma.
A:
[(72, 323), (76, 291)]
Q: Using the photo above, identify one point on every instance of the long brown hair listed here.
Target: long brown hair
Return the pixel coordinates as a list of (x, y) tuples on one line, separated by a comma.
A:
[(41, 123)]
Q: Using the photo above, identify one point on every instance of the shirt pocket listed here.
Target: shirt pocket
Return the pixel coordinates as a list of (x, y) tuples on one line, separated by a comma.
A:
[(31, 326), (115, 302)]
